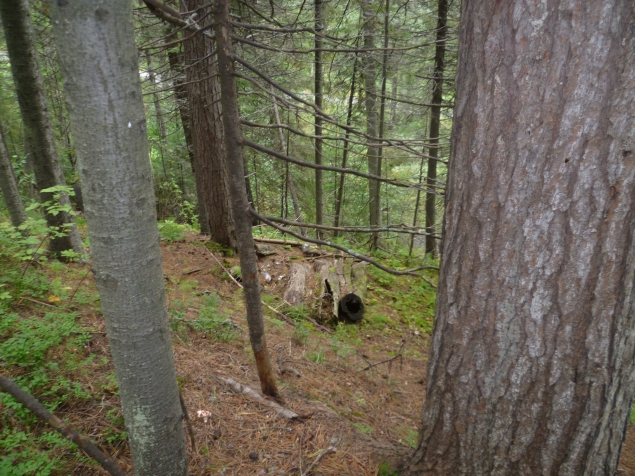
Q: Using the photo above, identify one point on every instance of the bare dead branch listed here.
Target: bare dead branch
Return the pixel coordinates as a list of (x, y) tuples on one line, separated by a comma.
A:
[(408, 272), (245, 390), (68, 432)]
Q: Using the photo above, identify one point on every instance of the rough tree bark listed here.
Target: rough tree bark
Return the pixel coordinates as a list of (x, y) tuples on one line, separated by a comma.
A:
[(369, 67), (435, 123), (240, 205), (29, 86), (9, 185), (531, 366), (207, 127), (181, 98), (95, 40)]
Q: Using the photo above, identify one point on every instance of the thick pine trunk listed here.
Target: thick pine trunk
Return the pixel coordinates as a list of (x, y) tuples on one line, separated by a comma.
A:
[(182, 104), (531, 365), (9, 185), (435, 127), (29, 86), (207, 128), (99, 61), (240, 205)]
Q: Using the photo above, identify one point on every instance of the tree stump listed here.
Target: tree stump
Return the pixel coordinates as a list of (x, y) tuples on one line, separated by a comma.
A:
[(295, 291)]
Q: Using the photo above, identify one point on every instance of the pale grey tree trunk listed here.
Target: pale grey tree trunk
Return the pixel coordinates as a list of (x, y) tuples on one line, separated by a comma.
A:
[(99, 62), (532, 368), (9, 185), (369, 67), (240, 205), (29, 86)]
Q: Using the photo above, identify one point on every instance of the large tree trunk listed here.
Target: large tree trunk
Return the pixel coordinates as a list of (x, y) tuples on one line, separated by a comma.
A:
[(531, 366), (101, 74), (435, 126), (182, 104), (29, 86), (207, 128), (240, 205), (369, 65), (9, 185)]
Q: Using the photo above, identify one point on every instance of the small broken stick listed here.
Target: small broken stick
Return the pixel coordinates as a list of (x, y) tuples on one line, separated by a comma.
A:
[(240, 388)]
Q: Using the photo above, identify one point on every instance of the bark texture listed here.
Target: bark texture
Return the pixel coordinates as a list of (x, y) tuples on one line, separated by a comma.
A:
[(240, 205), (29, 86), (99, 61), (9, 185), (182, 104), (207, 128), (531, 368)]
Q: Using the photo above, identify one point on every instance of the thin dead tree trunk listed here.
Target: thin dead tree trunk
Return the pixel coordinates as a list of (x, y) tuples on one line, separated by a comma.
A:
[(532, 360), (319, 186), (240, 206), (29, 86), (340, 189), (158, 111), (290, 183), (207, 127), (435, 125), (9, 185), (382, 107), (95, 40), (370, 74)]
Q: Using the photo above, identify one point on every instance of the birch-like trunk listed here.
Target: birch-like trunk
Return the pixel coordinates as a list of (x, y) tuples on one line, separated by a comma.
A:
[(29, 86), (532, 368), (95, 39)]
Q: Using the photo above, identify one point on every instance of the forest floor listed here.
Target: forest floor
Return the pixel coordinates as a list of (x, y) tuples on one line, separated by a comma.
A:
[(354, 418)]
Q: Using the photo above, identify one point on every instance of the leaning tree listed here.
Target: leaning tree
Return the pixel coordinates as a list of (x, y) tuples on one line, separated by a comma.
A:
[(531, 368)]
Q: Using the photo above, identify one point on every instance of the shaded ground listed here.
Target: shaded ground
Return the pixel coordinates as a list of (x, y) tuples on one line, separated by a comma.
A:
[(366, 416)]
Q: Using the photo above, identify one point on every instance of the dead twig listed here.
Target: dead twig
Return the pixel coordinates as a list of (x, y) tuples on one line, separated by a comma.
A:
[(399, 356), (325, 451), (68, 432), (239, 388), (193, 271), (188, 423)]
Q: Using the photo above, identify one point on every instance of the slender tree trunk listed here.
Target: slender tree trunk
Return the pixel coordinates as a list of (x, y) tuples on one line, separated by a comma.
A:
[(95, 39), (9, 185), (29, 87), (207, 128), (319, 186), (435, 123), (158, 110), (532, 360), (369, 65), (289, 178), (182, 103), (240, 206), (382, 108), (349, 116)]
